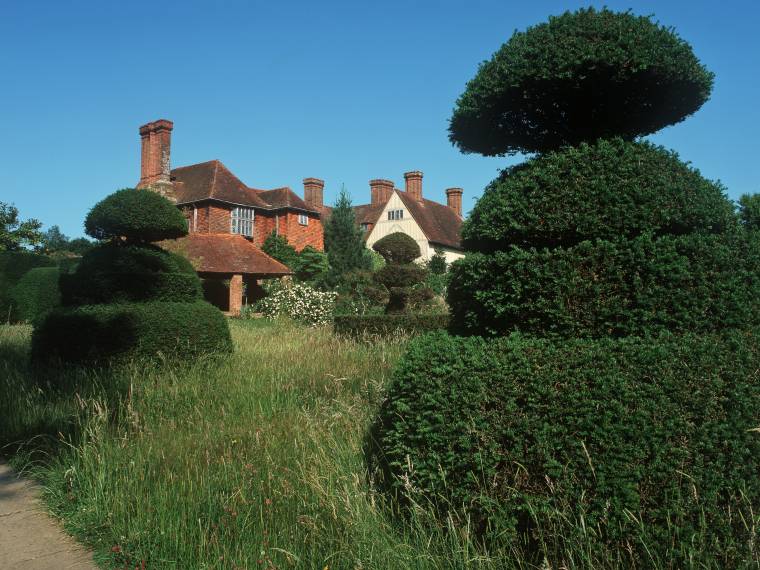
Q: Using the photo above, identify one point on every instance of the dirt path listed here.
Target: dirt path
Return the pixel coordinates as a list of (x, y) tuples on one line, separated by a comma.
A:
[(29, 538)]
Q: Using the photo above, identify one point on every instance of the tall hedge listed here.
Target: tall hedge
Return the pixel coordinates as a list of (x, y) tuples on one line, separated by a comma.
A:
[(13, 266), (642, 452), (36, 293)]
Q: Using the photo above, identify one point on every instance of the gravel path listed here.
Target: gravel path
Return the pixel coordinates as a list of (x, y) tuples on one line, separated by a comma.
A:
[(29, 538)]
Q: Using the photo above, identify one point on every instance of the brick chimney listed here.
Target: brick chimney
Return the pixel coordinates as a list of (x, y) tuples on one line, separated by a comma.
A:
[(155, 164), (454, 199), (380, 190), (313, 193), (414, 184)]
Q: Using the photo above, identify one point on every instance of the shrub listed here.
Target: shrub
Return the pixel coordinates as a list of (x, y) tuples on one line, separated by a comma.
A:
[(361, 326), (437, 264), (597, 288), (297, 301), (581, 76), (400, 275), (135, 216), (609, 189), (103, 332), (36, 293), (397, 248), (118, 274), (310, 265), (647, 448), (277, 247), (13, 266), (359, 294)]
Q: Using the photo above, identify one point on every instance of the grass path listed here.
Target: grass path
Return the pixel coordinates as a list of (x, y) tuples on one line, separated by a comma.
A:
[(29, 538)]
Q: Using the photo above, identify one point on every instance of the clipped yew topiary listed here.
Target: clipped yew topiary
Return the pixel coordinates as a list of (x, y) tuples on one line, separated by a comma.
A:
[(401, 276), (128, 297), (36, 293), (610, 420)]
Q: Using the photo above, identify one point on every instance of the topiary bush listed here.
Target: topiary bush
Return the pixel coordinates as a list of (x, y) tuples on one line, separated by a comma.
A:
[(13, 266), (397, 248), (36, 293), (135, 216), (579, 77), (642, 451), (403, 279), (115, 274), (614, 422), (104, 333), (128, 297)]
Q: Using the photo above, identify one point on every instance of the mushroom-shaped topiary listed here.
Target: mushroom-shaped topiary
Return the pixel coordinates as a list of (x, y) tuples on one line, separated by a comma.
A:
[(397, 248), (135, 216), (581, 76)]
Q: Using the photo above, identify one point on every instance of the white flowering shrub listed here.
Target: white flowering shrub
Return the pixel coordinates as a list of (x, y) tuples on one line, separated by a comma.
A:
[(299, 302)]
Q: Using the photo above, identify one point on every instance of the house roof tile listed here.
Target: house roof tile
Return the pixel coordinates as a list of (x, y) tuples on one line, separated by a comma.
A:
[(225, 253)]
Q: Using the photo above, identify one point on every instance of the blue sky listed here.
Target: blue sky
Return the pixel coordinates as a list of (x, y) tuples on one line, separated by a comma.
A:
[(344, 91)]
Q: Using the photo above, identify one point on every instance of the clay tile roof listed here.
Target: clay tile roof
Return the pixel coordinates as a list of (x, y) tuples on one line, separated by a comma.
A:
[(213, 181), (440, 223), (225, 253), (283, 198)]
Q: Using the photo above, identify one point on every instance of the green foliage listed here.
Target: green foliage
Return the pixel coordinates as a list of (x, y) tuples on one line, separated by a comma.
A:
[(277, 247), (363, 326), (749, 211), (437, 264), (344, 243), (360, 294), (97, 333), (694, 282), (647, 448), (116, 274), (135, 216), (397, 248), (400, 275), (608, 189), (311, 265), (54, 240), (581, 76), (13, 266), (15, 234), (80, 246), (36, 293)]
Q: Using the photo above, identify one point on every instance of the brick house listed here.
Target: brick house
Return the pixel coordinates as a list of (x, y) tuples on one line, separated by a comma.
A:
[(227, 220), (434, 226)]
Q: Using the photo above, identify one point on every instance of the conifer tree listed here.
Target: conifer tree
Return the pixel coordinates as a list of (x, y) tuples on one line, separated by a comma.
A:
[(343, 240)]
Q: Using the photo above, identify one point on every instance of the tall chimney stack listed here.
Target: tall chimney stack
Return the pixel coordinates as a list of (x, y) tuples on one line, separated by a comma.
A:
[(414, 184), (313, 192), (155, 164), (380, 190), (454, 199)]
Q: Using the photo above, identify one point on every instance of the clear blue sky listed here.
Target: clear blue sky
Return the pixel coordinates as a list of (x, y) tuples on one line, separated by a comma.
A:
[(344, 91)]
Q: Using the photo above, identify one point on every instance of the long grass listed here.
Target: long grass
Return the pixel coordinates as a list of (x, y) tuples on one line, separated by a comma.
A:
[(249, 461)]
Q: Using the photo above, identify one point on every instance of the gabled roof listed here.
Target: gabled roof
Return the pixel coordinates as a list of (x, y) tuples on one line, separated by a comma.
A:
[(213, 181), (225, 253), (440, 223)]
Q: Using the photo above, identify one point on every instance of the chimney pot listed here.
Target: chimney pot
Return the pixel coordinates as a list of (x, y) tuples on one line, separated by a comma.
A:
[(454, 199), (380, 190), (313, 192), (414, 184)]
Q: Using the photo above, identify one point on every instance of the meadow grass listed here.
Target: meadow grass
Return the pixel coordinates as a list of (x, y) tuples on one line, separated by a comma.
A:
[(253, 460)]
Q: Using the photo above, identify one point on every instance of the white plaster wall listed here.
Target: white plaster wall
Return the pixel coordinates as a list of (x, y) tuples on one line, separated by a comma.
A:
[(384, 227)]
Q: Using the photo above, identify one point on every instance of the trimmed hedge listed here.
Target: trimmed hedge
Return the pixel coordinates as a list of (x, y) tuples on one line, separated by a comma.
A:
[(643, 451), (135, 216), (397, 248), (580, 76), (608, 189), (386, 325), (119, 274), (13, 266), (36, 293), (102, 332), (598, 288)]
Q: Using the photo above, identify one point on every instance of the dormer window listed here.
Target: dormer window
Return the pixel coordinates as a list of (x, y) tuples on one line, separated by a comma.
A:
[(303, 219), (242, 221), (395, 214)]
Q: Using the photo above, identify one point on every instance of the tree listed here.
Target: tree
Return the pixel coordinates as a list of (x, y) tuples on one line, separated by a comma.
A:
[(16, 234), (80, 246), (277, 247), (344, 243), (437, 264), (310, 265), (53, 240), (749, 211)]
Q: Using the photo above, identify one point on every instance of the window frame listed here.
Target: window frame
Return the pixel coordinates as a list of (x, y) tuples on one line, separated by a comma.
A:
[(242, 220), (395, 215), (303, 219)]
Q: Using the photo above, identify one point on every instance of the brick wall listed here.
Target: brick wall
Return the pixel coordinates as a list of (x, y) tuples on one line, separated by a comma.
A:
[(299, 236)]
